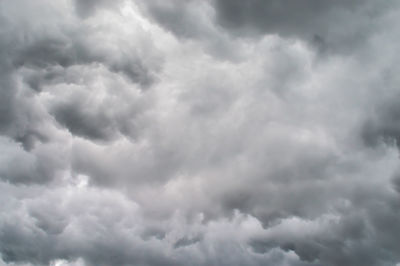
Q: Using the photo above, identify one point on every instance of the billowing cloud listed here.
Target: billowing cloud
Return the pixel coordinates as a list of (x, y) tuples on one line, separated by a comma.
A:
[(199, 133)]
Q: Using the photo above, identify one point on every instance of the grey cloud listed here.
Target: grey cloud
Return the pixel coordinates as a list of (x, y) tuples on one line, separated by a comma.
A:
[(353, 238), (185, 241), (44, 57), (193, 20), (67, 51), (199, 133), (339, 26), (45, 237), (181, 17), (85, 8), (383, 125), (329, 25), (103, 120), (91, 126), (76, 221), (38, 166)]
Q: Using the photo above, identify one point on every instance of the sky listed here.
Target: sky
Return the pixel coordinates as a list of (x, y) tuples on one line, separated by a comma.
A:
[(199, 132)]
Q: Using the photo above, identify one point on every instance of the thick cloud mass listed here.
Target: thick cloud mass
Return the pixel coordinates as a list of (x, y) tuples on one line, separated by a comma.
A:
[(199, 133)]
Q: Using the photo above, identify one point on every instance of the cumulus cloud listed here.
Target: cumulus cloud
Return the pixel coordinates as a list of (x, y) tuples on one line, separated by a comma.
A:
[(199, 133)]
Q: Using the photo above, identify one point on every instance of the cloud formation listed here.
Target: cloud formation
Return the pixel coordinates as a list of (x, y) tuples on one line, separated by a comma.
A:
[(199, 133)]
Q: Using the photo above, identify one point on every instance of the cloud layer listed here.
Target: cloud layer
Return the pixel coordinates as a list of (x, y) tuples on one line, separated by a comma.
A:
[(199, 133)]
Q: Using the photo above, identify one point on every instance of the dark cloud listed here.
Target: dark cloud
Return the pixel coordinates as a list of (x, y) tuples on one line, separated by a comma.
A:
[(384, 124), (43, 56), (67, 51), (285, 16), (28, 167), (82, 124), (85, 8), (351, 237), (199, 133), (181, 17), (329, 25), (184, 242), (339, 26)]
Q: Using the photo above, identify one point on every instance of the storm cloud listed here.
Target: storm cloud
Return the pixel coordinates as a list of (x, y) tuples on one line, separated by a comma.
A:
[(199, 133)]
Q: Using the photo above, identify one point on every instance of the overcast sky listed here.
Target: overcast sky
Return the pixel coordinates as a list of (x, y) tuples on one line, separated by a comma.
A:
[(199, 132)]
